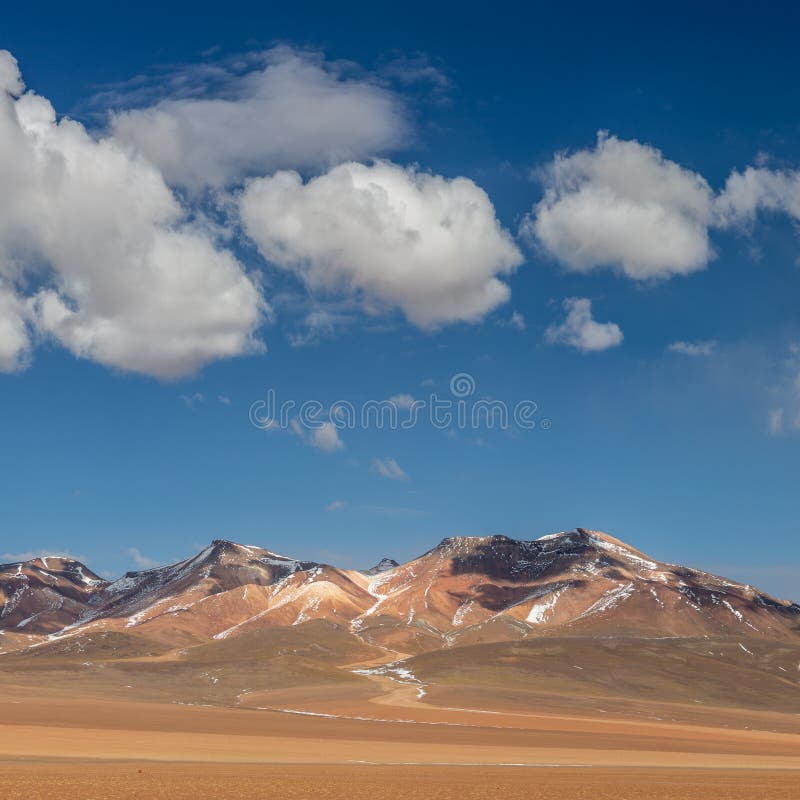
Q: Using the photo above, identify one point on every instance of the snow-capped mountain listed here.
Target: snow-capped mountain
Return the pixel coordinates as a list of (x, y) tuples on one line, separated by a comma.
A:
[(464, 590)]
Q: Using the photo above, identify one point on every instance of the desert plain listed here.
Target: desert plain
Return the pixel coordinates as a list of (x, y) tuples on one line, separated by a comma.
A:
[(64, 733)]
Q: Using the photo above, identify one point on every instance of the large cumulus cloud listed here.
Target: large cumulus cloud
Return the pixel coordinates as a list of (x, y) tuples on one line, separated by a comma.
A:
[(622, 204), (97, 252), (294, 110), (395, 236)]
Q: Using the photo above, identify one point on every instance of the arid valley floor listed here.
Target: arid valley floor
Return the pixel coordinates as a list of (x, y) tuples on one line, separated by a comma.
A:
[(376, 737)]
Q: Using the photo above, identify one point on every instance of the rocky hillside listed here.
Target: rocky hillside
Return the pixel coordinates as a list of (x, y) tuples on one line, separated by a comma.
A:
[(45, 595), (465, 590)]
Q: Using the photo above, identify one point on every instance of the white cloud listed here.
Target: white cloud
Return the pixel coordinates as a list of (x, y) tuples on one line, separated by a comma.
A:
[(693, 348), (15, 342), (325, 438), (784, 416), (515, 321), (757, 189), (10, 78), (396, 236), (322, 321), (623, 205), (418, 70), (143, 562), (775, 421), (115, 271), (191, 400), (224, 399), (402, 401), (291, 110), (582, 332), (336, 505), (389, 468)]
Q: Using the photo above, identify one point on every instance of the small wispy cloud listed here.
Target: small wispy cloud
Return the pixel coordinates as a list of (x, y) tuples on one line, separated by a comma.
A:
[(581, 331), (325, 438), (141, 561), (415, 70), (369, 508), (389, 468), (775, 421), (191, 400), (515, 321), (224, 399), (784, 416), (402, 401), (694, 349)]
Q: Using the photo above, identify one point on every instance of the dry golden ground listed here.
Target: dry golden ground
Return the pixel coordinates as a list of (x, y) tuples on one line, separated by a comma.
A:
[(92, 749), (148, 781), (82, 719)]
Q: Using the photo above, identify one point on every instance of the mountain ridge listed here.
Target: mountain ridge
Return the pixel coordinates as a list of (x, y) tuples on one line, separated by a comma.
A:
[(463, 590)]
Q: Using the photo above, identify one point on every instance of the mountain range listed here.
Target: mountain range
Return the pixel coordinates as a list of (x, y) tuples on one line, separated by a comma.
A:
[(464, 591)]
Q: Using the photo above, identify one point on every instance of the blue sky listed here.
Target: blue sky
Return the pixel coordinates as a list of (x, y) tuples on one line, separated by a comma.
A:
[(221, 219)]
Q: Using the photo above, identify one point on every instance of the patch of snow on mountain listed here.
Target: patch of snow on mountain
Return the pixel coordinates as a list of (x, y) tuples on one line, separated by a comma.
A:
[(689, 596), (311, 604), (138, 617), (228, 631), (85, 579), (624, 553), (461, 612), (374, 588), (656, 597), (536, 616), (397, 673), (610, 599), (124, 584), (14, 600), (738, 615), (550, 536), (27, 620)]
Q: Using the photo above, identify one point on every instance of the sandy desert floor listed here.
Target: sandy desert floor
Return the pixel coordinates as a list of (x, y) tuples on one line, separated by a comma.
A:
[(213, 725), (118, 780), (89, 747)]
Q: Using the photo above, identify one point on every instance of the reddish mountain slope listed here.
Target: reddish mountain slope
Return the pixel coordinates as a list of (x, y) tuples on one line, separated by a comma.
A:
[(225, 590), (45, 594), (574, 582), (464, 590)]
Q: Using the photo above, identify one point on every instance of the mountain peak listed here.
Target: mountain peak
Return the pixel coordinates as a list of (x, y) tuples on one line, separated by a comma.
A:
[(228, 550), (384, 565), (463, 543), (227, 546)]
